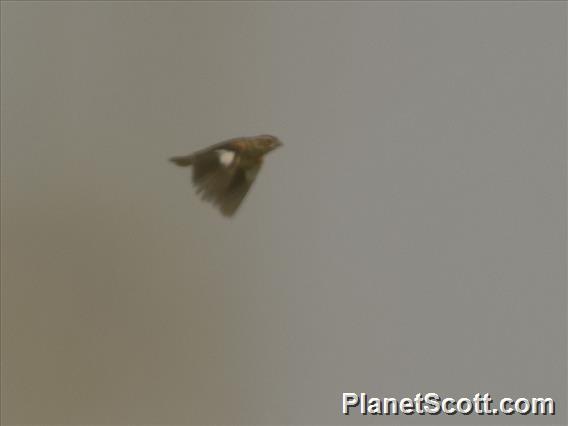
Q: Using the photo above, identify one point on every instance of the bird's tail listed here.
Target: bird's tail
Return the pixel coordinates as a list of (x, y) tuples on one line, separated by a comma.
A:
[(182, 161)]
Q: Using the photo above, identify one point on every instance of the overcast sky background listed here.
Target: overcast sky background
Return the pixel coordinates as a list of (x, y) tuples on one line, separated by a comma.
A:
[(409, 237)]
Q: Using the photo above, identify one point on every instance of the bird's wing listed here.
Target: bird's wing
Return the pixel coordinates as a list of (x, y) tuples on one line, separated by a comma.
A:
[(220, 178), (237, 190)]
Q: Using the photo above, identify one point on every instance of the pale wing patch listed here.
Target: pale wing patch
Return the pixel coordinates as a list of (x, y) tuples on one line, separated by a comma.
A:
[(226, 157)]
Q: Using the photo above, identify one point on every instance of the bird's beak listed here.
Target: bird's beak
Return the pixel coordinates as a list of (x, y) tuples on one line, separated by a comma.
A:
[(277, 144)]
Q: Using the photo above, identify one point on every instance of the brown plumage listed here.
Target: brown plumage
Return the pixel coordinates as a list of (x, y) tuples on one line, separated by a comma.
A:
[(224, 172)]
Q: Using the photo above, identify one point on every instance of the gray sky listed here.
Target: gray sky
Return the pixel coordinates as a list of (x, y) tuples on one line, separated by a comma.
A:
[(409, 237)]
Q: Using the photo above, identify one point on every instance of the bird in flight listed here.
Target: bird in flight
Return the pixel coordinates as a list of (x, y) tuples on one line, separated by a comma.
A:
[(224, 172)]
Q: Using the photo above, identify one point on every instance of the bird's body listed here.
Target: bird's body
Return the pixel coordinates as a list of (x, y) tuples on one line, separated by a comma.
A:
[(224, 172)]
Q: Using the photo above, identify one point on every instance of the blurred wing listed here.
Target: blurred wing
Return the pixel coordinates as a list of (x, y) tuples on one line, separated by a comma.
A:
[(237, 190), (220, 179)]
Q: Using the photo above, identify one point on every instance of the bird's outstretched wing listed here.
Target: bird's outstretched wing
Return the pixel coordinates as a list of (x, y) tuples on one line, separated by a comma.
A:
[(235, 193), (219, 176)]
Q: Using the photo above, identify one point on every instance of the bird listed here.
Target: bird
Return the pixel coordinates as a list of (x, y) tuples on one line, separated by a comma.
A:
[(224, 172)]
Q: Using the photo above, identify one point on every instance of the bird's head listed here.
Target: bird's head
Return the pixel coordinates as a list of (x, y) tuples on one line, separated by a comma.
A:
[(268, 143)]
